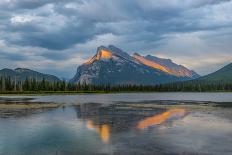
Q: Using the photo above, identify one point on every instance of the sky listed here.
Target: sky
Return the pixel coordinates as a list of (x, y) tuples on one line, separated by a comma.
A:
[(55, 36)]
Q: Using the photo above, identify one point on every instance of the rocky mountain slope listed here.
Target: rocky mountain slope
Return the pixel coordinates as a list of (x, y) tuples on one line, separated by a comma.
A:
[(113, 66), (166, 65)]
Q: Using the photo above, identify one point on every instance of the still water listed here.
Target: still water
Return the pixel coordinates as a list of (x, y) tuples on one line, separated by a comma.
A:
[(122, 124)]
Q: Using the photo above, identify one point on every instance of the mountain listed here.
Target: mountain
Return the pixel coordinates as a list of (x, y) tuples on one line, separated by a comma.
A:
[(113, 66), (220, 80), (20, 74), (166, 65), (222, 75)]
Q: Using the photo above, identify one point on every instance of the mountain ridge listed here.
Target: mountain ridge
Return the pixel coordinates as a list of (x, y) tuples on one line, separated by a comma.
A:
[(21, 74), (111, 62), (224, 74), (176, 69)]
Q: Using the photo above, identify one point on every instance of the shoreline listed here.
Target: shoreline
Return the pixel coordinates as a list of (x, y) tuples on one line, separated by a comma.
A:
[(22, 107), (44, 93)]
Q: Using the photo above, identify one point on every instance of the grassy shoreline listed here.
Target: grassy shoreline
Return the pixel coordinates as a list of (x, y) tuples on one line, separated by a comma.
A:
[(15, 107), (38, 93), (52, 93)]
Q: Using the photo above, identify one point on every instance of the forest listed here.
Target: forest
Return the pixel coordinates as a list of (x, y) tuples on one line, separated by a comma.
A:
[(8, 85)]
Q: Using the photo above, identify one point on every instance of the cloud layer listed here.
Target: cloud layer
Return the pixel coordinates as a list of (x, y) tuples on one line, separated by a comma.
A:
[(56, 36)]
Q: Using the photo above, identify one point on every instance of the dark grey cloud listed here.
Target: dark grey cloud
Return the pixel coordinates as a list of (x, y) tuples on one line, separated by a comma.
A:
[(12, 57), (27, 4), (55, 31), (55, 55), (61, 24)]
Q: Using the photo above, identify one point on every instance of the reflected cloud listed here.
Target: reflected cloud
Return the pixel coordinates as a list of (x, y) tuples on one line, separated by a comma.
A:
[(161, 118)]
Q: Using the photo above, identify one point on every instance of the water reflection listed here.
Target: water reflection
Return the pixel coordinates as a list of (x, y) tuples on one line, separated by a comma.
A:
[(119, 129), (161, 118), (116, 118), (102, 130)]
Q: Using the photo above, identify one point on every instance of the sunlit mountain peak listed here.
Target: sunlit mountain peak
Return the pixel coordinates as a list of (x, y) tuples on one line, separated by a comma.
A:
[(149, 63), (106, 53), (111, 65), (102, 54)]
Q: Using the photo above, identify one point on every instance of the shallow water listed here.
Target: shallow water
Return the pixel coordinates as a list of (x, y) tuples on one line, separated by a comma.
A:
[(109, 98), (119, 128)]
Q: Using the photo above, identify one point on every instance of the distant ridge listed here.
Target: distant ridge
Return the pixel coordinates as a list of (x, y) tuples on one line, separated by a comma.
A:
[(113, 66), (220, 80), (222, 75), (21, 74)]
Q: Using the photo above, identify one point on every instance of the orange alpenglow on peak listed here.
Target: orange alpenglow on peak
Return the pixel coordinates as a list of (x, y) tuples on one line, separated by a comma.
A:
[(90, 61), (149, 63), (104, 54)]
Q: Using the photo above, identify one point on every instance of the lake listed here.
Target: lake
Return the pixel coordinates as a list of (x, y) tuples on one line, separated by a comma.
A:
[(128, 123)]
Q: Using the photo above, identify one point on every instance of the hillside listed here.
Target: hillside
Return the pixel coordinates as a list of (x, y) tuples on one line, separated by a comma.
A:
[(21, 74), (222, 75)]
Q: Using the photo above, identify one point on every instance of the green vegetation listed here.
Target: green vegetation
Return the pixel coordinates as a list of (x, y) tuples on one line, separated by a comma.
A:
[(31, 86), (222, 75), (219, 81), (198, 86)]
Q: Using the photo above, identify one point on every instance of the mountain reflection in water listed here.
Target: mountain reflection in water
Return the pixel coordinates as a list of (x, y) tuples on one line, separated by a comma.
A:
[(102, 130), (161, 118), (115, 118), (122, 127)]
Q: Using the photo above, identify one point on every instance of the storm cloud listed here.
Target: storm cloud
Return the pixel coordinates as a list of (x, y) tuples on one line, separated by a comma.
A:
[(56, 36)]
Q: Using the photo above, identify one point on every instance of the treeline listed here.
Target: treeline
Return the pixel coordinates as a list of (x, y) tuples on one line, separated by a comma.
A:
[(8, 84), (196, 86), (32, 85)]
